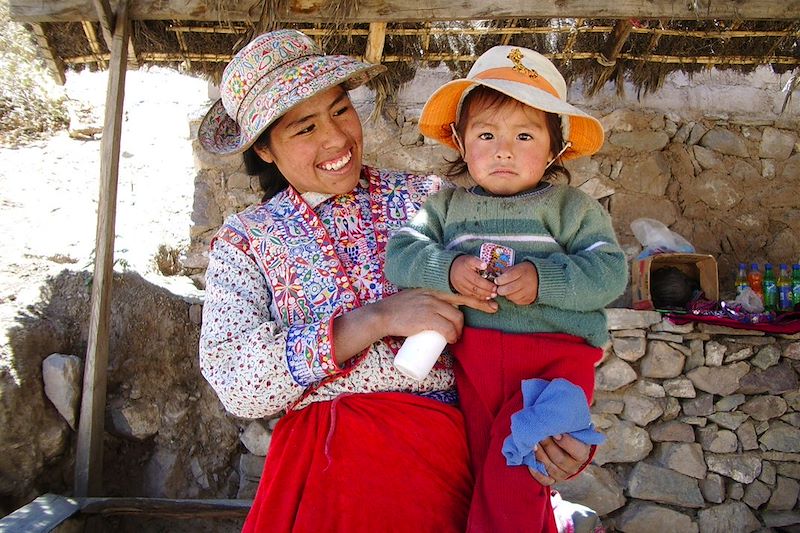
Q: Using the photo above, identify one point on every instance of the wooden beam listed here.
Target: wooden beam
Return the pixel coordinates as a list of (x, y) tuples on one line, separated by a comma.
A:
[(180, 508), (94, 44), (89, 453), (375, 41), (54, 63), (106, 19), (157, 57), (410, 10)]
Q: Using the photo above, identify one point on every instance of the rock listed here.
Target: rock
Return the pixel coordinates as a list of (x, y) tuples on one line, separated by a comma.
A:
[(136, 421), (672, 431), (640, 141), (776, 144), (629, 348), (718, 441), (739, 355), (722, 380), (769, 474), (640, 409), (697, 133), (685, 458), (63, 375), (743, 468), (702, 405), (765, 407), (705, 157), (767, 356), (661, 361), (625, 443), (650, 388), (784, 497), (647, 174), (779, 519), (713, 488), (792, 351), (791, 470), (781, 437), (597, 188), (728, 420), (648, 482), (729, 403), (756, 494), (679, 388), (619, 318), (614, 374), (747, 436), (256, 438), (725, 142), (735, 491), (646, 518), (728, 517), (774, 380), (595, 488)]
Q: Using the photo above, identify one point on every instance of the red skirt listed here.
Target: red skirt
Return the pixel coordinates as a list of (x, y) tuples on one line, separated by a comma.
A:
[(490, 366), (365, 463)]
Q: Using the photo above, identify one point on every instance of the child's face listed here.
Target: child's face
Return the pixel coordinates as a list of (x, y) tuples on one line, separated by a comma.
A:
[(507, 147)]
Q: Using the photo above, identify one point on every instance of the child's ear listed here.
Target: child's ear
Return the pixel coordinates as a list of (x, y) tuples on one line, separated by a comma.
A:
[(264, 153)]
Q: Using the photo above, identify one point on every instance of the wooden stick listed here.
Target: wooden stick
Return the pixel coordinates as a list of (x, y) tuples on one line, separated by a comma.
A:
[(54, 63), (91, 36), (375, 42), (89, 453)]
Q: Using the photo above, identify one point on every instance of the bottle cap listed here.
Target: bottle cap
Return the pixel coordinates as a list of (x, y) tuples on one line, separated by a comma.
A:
[(783, 266), (754, 266), (768, 266)]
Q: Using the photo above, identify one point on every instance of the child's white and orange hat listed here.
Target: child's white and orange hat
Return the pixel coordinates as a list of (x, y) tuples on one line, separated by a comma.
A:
[(523, 75)]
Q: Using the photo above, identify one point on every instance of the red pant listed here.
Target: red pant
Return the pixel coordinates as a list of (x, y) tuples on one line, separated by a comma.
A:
[(490, 366), (365, 463)]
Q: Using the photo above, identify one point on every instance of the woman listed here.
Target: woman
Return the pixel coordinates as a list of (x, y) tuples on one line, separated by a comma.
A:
[(299, 317)]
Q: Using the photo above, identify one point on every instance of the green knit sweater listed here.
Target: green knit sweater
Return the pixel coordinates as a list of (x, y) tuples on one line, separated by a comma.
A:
[(564, 232)]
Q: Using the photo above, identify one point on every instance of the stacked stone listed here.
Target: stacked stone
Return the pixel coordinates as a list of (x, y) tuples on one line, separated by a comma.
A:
[(702, 426)]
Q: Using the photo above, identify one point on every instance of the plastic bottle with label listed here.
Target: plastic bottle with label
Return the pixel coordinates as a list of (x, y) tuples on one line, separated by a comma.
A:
[(796, 283), (784, 283), (756, 280), (770, 289), (741, 279)]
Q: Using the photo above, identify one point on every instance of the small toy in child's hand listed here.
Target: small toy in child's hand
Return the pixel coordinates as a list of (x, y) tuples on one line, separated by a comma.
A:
[(497, 258)]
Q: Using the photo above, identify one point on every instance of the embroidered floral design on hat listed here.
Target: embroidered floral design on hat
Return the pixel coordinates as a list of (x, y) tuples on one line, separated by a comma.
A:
[(273, 73)]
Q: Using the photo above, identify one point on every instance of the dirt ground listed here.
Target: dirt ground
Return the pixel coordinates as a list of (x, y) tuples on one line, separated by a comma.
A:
[(49, 189)]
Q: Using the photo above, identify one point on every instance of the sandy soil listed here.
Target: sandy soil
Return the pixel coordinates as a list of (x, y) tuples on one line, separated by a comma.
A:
[(49, 189)]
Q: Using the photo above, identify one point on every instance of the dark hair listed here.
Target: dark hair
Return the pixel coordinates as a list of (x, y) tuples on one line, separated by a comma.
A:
[(270, 178), (487, 98)]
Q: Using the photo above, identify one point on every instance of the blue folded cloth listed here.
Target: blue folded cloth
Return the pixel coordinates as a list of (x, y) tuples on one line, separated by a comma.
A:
[(548, 408)]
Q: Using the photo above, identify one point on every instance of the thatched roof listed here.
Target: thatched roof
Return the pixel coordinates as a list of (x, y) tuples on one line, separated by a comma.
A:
[(593, 40)]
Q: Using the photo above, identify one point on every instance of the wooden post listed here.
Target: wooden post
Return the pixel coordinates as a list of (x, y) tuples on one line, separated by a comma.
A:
[(375, 42), (89, 455)]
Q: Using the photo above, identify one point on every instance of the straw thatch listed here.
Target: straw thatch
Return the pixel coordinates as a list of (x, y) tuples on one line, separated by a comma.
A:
[(640, 50)]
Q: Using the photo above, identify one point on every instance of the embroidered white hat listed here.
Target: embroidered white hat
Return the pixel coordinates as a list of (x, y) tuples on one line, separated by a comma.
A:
[(273, 73), (523, 75)]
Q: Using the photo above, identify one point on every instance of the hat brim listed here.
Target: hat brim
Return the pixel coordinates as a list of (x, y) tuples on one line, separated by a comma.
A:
[(219, 133), (585, 133)]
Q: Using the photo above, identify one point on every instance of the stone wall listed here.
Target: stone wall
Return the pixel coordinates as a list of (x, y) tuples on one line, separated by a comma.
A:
[(702, 428), (728, 182)]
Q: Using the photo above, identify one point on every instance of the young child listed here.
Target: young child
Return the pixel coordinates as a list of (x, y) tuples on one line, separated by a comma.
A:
[(547, 253)]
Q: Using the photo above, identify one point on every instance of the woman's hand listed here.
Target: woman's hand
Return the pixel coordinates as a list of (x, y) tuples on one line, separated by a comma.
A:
[(562, 457), (402, 314)]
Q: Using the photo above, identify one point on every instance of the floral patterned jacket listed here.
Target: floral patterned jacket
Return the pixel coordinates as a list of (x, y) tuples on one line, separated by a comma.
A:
[(281, 271)]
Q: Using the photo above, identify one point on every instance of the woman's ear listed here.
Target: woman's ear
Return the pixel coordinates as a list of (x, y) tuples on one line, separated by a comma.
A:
[(264, 153)]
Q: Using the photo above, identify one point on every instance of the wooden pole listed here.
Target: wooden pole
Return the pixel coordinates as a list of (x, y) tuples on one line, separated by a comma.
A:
[(89, 455)]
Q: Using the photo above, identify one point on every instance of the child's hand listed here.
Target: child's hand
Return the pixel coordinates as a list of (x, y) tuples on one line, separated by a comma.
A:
[(466, 279), (520, 283)]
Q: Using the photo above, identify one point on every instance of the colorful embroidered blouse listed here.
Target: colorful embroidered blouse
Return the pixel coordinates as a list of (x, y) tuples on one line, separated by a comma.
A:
[(281, 271)]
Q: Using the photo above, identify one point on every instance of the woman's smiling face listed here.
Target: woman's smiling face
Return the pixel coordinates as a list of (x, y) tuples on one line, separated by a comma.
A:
[(317, 145)]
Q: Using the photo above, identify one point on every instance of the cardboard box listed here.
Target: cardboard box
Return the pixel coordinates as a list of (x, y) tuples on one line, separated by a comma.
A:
[(701, 267)]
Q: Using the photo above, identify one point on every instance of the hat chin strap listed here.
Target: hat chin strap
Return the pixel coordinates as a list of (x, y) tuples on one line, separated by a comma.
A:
[(566, 147), (457, 140)]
